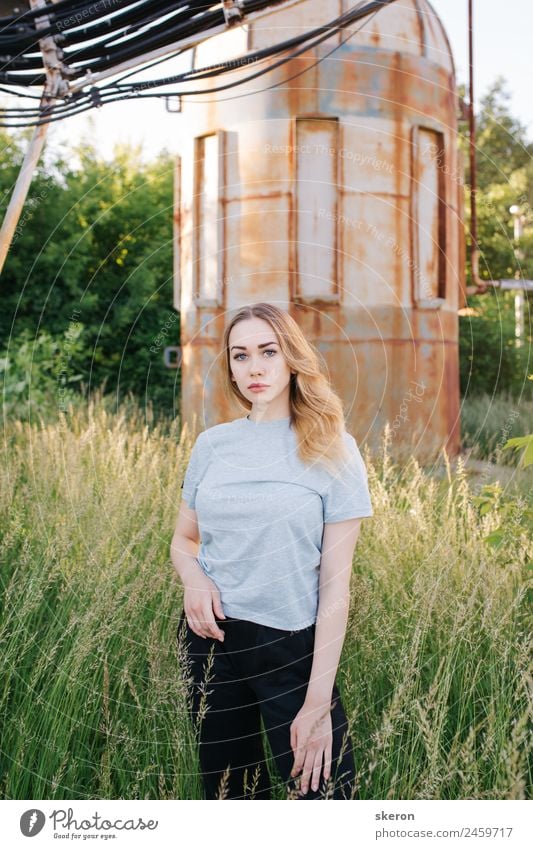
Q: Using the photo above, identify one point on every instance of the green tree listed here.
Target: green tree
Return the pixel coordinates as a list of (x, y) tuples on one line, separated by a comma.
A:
[(501, 139), (94, 245), (489, 358)]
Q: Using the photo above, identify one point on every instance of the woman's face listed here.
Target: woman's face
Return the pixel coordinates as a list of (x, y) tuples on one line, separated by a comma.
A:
[(255, 357)]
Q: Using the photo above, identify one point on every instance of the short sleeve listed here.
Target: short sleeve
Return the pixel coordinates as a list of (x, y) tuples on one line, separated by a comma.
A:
[(347, 495), (193, 474)]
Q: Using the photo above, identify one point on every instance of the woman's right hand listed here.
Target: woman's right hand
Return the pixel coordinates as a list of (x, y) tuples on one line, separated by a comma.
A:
[(201, 603)]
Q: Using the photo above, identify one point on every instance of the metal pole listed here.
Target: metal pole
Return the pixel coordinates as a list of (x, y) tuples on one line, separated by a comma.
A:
[(480, 286), (472, 147), (518, 220), (55, 85)]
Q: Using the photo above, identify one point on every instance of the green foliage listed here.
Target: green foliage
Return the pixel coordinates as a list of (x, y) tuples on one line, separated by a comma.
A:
[(515, 515), (502, 146), (501, 139), (519, 443), (36, 377), (489, 358), (94, 245), (491, 426)]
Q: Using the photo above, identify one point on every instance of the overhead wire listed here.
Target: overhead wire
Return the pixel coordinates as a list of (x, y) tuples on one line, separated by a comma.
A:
[(80, 101)]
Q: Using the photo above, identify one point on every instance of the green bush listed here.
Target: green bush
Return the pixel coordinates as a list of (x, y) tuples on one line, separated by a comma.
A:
[(490, 361), (36, 374)]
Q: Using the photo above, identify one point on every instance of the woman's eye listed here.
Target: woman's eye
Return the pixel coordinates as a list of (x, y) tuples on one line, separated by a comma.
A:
[(267, 351)]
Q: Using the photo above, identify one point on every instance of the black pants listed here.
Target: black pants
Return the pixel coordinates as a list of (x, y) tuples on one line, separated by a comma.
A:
[(257, 671)]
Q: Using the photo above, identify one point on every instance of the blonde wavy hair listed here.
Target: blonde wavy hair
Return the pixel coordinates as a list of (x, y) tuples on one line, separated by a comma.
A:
[(316, 411)]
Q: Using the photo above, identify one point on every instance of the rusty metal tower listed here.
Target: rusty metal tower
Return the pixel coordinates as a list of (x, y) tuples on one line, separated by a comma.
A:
[(331, 186)]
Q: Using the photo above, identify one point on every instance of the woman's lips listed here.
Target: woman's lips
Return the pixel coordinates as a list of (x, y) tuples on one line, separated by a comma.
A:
[(258, 388)]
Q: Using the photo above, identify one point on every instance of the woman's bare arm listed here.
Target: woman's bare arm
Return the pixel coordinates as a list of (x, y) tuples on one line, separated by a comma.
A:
[(185, 544), (201, 598), (311, 729), (338, 545)]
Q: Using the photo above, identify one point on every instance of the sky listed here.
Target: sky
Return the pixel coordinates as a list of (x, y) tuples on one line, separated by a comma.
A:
[(502, 46)]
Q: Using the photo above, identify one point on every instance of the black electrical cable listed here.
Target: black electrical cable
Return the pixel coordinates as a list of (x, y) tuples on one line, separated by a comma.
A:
[(118, 25), (141, 14), (285, 59), (180, 10), (112, 56), (104, 51), (258, 55), (114, 92), (328, 29), (157, 37), (200, 22), (20, 94), (125, 76), (130, 96), (152, 64), (55, 9), (195, 22)]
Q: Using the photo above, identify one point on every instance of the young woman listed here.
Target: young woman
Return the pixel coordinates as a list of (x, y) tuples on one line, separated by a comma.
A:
[(275, 499)]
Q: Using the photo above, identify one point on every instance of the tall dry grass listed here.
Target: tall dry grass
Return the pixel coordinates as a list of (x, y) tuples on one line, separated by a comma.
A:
[(436, 667)]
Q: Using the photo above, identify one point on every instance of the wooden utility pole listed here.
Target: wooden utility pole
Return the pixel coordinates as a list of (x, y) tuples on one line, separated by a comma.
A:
[(55, 86)]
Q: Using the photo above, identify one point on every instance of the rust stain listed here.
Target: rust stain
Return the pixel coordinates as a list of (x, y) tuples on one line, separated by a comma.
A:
[(421, 28), (375, 340)]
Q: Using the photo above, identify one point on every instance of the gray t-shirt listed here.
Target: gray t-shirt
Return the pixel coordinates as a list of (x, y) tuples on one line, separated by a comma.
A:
[(261, 515)]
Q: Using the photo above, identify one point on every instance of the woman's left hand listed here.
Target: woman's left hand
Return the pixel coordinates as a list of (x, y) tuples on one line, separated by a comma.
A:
[(311, 742)]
